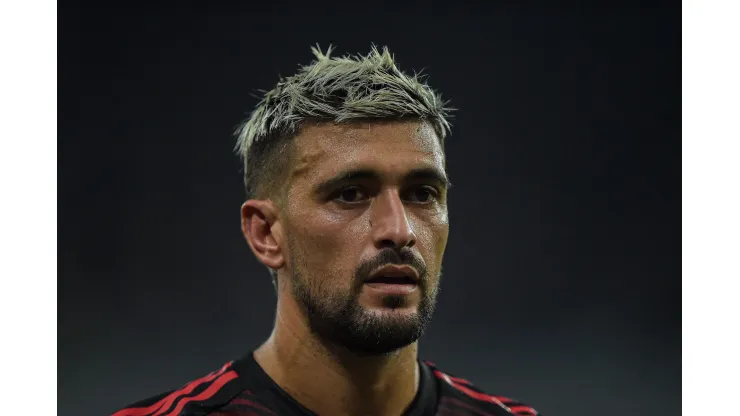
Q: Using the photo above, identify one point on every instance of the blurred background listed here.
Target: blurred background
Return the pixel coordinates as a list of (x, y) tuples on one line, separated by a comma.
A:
[(562, 274)]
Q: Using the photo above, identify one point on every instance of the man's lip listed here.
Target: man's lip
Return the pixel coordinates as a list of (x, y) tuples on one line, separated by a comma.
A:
[(396, 271)]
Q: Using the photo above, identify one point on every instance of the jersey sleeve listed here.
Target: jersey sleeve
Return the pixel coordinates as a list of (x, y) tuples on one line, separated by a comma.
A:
[(206, 391), (468, 391)]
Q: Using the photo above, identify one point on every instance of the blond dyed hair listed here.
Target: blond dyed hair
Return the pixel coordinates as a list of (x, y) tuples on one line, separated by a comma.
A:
[(335, 90)]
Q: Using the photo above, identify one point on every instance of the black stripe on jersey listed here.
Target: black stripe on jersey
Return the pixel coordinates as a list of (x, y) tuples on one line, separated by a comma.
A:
[(243, 405)]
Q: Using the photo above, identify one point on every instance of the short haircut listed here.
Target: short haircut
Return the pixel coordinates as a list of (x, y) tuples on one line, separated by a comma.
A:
[(336, 90)]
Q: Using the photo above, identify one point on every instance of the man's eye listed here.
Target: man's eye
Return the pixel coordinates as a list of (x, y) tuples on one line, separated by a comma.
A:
[(351, 195), (422, 194)]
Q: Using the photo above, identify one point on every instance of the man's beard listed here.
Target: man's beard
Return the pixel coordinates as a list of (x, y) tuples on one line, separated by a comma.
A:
[(339, 318)]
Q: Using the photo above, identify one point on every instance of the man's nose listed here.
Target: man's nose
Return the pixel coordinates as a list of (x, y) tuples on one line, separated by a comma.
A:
[(390, 225)]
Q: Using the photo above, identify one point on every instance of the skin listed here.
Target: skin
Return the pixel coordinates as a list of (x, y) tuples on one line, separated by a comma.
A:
[(326, 238)]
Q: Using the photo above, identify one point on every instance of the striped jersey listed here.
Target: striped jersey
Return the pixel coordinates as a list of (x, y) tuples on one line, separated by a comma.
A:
[(242, 388)]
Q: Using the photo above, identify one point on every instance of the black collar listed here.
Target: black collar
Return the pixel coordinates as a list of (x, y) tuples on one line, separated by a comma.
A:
[(254, 379)]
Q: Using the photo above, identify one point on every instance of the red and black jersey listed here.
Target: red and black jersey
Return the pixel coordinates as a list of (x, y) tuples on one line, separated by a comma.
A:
[(242, 388)]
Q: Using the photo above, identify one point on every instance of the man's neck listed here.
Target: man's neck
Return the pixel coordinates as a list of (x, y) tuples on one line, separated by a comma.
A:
[(331, 380)]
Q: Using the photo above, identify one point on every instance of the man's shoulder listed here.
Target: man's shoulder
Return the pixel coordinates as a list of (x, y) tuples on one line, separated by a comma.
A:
[(458, 393), (202, 396), (223, 391)]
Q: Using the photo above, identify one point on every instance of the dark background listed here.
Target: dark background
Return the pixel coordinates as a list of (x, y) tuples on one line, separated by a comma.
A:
[(562, 279)]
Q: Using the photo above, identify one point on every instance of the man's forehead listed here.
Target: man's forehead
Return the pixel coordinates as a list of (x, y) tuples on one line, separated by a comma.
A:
[(355, 142)]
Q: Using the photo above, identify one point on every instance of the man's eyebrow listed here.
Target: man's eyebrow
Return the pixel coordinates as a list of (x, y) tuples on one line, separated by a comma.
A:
[(345, 176), (429, 174), (419, 174)]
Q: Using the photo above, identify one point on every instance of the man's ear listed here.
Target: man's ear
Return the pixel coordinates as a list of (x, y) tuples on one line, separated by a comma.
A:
[(263, 232)]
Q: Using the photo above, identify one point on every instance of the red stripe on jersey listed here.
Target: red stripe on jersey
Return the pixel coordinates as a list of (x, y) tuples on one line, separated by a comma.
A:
[(204, 395), (448, 403), (140, 411), (459, 380), (523, 410), (464, 386), (170, 398), (516, 407), (472, 393)]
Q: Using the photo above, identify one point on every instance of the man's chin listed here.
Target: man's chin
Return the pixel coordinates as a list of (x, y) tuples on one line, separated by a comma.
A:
[(393, 320), (383, 331), (378, 348), (368, 327), (376, 352)]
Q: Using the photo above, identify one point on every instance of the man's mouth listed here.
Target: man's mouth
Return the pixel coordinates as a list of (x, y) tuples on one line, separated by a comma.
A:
[(394, 274), (391, 280)]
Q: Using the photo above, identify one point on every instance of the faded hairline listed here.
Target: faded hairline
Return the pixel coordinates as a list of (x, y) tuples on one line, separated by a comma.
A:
[(337, 89)]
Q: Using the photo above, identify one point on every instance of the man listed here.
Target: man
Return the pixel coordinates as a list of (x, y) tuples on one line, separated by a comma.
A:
[(347, 207)]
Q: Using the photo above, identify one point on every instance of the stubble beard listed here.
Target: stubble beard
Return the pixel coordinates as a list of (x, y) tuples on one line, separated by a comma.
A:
[(340, 319)]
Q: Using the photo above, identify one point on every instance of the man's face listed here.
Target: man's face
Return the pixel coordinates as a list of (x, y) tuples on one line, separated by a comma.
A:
[(362, 196)]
